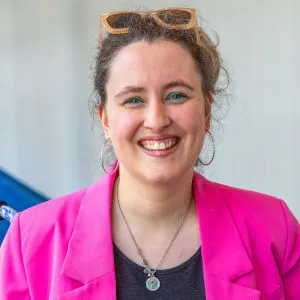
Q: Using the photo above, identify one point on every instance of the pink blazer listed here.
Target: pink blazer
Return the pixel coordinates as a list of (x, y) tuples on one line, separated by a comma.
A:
[(63, 249)]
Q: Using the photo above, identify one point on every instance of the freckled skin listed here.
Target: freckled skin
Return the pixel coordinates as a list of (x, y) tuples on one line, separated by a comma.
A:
[(152, 66)]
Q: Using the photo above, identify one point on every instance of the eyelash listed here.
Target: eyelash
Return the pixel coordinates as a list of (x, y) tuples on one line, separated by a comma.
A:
[(178, 94), (134, 101)]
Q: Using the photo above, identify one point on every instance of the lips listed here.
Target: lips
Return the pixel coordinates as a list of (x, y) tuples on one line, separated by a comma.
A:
[(159, 143)]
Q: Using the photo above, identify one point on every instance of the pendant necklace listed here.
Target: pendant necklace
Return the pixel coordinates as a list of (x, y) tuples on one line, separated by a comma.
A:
[(152, 282)]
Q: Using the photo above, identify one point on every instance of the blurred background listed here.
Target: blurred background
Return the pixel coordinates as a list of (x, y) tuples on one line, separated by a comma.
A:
[(47, 137)]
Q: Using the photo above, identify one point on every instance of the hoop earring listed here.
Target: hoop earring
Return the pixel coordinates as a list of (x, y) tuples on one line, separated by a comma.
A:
[(102, 160), (214, 151)]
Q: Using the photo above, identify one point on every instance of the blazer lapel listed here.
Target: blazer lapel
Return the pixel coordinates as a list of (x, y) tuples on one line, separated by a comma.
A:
[(225, 259), (89, 257), (102, 288)]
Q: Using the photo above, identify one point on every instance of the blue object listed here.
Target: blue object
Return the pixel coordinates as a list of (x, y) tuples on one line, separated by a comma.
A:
[(7, 213), (18, 196)]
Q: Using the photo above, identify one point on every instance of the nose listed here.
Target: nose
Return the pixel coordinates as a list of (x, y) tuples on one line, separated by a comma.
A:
[(157, 116)]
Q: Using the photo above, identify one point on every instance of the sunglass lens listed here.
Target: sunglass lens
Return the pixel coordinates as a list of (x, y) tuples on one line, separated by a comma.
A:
[(121, 20), (175, 17)]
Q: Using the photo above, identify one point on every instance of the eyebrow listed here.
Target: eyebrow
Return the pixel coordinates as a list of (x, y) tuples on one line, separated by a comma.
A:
[(138, 89)]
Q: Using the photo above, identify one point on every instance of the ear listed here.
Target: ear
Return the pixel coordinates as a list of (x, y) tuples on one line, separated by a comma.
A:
[(208, 104), (104, 120)]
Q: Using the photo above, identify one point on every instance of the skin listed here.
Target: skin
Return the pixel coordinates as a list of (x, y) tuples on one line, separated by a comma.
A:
[(155, 191)]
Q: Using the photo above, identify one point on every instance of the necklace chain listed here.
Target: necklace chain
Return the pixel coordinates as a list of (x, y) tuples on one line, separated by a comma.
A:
[(148, 269)]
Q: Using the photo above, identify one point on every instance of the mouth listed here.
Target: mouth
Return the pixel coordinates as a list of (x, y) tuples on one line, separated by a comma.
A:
[(159, 145)]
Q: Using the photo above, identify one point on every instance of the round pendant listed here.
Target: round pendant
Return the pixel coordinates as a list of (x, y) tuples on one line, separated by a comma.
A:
[(153, 284)]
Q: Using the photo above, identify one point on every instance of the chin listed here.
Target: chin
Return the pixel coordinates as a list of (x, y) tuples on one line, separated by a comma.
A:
[(162, 175)]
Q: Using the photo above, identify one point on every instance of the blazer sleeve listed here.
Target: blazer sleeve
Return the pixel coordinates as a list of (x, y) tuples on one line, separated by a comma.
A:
[(290, 267), (13, 283)]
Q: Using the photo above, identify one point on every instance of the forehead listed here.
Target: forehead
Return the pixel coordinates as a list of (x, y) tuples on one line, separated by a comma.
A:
[(152, 64)]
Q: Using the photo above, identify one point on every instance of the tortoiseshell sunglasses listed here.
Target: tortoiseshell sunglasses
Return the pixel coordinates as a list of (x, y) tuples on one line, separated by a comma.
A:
[(175, 18)]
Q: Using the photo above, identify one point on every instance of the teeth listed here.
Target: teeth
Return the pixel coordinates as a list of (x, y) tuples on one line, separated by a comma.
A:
[(162, 146), (156, 146), (159, 145)]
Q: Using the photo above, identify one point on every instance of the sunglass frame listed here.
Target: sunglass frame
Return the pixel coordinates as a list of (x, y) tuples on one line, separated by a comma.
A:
[(192, 24)]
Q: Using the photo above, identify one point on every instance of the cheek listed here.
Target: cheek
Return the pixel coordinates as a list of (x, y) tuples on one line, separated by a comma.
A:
[(123, 125), (192, 119)]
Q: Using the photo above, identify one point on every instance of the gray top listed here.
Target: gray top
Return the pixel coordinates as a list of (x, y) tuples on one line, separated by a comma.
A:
[(184, 282)]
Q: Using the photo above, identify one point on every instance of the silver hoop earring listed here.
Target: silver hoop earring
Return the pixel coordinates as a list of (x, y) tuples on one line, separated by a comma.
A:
[(109, 172), (214, 151)]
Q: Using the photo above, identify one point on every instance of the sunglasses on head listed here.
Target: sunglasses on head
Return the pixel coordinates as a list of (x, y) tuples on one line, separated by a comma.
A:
[(171, 18)]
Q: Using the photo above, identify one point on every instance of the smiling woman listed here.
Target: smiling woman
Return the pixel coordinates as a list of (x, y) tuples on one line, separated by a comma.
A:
[(166, 105), (152, 227)]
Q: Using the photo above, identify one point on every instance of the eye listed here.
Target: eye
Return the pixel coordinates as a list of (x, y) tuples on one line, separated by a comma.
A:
[(177, 97), (134, 101)]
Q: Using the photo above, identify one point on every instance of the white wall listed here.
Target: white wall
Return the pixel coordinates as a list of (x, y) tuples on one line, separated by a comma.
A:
[(45, 130), (45, 125)]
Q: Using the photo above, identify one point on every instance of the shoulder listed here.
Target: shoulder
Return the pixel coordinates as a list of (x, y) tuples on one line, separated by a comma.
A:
[(53, 210), (258, 213), (37, 231), (266, 225), (58, 214), (257, 216), (54, 220), (246, 202)]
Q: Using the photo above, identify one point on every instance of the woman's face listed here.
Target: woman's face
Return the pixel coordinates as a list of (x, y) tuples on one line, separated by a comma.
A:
[(155, 111)]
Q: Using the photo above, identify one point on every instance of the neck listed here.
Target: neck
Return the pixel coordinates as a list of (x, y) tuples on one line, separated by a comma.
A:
[(153, 204)]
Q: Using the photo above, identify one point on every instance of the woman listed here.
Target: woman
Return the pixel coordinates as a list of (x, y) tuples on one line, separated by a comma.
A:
[(153, 228)]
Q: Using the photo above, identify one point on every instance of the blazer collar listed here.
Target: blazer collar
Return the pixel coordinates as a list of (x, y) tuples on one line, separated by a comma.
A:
[(90, 250), (224, 256), (223, 248), (90, 257)]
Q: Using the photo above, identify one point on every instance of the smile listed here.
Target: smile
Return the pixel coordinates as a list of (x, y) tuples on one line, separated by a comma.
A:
[(159, 145)]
